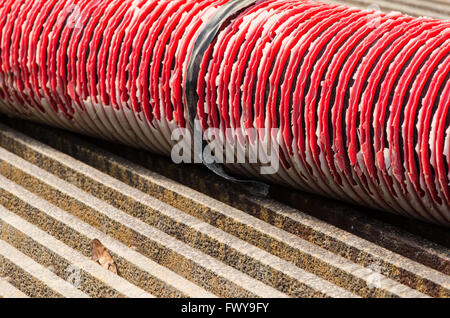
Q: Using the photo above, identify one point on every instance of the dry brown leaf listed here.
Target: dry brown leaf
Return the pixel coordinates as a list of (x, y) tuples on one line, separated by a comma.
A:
[(101, 255)]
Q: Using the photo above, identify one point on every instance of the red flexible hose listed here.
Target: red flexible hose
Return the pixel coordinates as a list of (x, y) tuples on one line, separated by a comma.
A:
[(359, 99)]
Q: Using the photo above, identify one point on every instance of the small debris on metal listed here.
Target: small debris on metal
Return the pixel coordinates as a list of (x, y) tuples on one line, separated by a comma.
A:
[(101, 255)]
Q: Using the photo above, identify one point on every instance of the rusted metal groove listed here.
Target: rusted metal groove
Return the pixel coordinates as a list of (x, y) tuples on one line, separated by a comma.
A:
[(32, 278), (225, 215)]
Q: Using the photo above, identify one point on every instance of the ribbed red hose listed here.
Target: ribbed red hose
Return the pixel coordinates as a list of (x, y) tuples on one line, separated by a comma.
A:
[(361, 98)]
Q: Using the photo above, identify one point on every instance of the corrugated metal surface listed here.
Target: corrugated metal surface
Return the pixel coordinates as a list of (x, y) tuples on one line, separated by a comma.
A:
[(179, 231)]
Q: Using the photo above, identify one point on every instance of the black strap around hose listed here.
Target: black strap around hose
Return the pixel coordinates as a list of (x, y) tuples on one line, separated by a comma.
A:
[(206, 36)]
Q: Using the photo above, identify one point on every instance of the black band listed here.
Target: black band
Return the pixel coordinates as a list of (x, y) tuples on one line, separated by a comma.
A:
[(206, 36)]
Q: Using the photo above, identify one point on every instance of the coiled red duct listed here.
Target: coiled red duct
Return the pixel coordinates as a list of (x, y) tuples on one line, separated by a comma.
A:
[(361, 98)]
